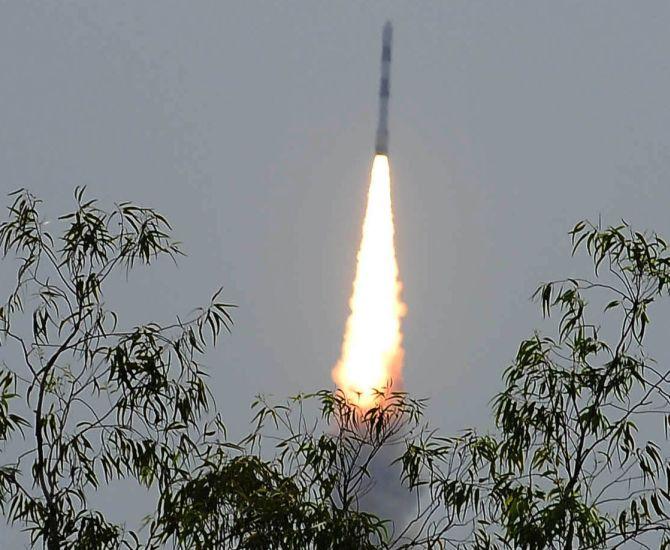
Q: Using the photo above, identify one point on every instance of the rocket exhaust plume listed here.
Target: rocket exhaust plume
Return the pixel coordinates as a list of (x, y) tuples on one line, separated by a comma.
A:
[(372, 353)]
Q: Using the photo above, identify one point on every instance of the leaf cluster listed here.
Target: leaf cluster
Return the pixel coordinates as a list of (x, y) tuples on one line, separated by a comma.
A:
[(566, 467), (97, 400)]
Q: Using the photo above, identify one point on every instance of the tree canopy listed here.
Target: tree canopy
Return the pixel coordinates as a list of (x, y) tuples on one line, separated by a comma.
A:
[(568, 465), (100, 400)]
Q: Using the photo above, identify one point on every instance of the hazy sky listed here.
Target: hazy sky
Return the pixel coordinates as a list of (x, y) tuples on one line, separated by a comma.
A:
[(251, 126)]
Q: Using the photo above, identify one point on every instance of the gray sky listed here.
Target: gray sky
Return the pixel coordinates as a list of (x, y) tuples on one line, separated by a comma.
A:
[(251, 126)]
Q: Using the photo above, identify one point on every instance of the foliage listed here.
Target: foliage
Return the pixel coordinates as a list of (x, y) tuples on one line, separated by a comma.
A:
[(95, 400), (311, 492), (568, 466)]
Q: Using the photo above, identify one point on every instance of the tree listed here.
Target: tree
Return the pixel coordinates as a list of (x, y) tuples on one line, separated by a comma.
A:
[(575, 461), (95, 400), (311, 490)]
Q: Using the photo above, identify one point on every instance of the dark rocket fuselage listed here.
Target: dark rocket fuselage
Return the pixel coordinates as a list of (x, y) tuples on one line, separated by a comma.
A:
[(382, 138)]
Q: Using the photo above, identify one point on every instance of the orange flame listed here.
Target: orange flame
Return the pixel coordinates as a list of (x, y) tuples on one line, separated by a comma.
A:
[(372, 353)]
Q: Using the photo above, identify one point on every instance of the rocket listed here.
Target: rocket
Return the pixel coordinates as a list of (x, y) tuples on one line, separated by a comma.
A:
[(382, 139)]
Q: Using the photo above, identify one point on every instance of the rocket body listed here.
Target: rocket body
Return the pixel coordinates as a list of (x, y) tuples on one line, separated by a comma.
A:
[(382, 138)]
